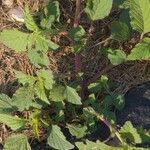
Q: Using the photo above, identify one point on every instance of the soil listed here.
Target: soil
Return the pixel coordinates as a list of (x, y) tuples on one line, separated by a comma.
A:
[(137, 107)]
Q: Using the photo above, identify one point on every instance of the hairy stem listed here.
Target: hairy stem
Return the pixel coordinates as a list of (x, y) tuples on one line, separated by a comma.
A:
[(78, 63), (86, 83), (98, 74), (77, 13)]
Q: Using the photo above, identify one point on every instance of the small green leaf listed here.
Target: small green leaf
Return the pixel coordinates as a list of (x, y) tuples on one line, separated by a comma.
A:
[(38, 58), (125, 18), (46, 23), (72, 96), (130, 133), (14, 39), (115, 99), (47, 77), (98, 9), (25, 78), (139, 13), (53, 10), (95, 87), (89, 116), (109, 115), (117, 57), (144, 134), (13, 122), (17, 142), (89, 145), (91, 99), (57, 93), (29, 20), (57, 140), (119, 101), (22, 99), (120, 31), (40, 91), (77, 130), (43, 44), (6, 104), (35, 120), (77, 33), (107, 102), (141, 51)]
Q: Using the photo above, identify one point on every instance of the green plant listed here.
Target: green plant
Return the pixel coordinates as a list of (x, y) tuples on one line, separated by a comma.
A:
[(51, 103), (127, 133)]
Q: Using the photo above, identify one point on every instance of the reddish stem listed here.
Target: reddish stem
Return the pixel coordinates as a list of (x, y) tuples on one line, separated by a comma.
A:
[(98, 74), (78, 63), (86, 83), (77, 13)]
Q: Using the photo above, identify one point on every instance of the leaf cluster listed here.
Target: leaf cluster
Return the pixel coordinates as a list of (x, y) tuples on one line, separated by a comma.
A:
[(55, 105)]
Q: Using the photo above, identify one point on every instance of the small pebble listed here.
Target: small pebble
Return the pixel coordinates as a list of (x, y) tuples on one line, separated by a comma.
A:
[(17, 14)]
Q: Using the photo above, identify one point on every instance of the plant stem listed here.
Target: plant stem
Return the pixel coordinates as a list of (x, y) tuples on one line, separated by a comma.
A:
[(77, 13), (99, 43), (99, 73), (78, 63), (86, 83)]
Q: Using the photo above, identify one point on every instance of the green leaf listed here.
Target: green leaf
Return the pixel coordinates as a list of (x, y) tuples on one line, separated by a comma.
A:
[(57, 93), (14, 39), (130, 133), (72, 96), (77, 33), (144, 134), (125, 18), (91, 99), (105, 82), (89, 116), (119, 101), (115, 99), (141, 51), (35, 120), (53, 10), (43, 44), (38, 58), (116, 57), (46, 23), (6, 104), (77, 130), (89, 145), (59, 111), (98, 9), (22, 98), (47, 77), (95, 88), (13, 122), (29, 21), (40, 91), (107, 102), (17, 142), (25, 78), (139, 13), (57, 140), (109, 115), (120, 31)]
